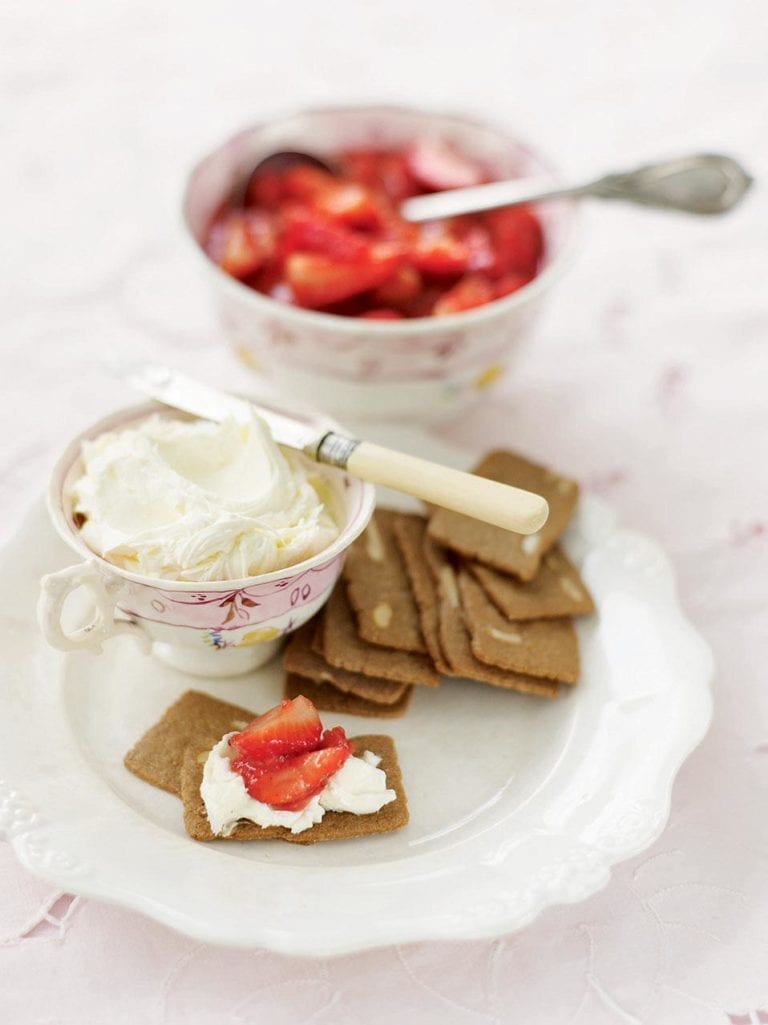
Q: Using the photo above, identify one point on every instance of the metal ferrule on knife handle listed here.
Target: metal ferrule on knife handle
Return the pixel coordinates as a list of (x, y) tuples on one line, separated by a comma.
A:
[(335, 450)]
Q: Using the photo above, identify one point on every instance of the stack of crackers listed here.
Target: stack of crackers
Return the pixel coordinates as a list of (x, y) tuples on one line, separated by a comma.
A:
[(444, 594)]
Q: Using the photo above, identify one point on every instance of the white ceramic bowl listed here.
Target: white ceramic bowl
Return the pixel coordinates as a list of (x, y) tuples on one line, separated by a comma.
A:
[(210, 628), (423, 370)]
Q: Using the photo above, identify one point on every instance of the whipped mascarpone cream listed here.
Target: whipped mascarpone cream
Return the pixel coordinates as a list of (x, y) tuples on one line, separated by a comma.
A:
[(358, 787), (196, 500)]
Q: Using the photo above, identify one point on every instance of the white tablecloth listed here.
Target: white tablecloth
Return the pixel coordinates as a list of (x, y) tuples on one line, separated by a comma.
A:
[(647, 378)]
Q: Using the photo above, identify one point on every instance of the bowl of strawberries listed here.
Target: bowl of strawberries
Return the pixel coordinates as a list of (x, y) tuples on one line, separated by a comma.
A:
[(325, 288)]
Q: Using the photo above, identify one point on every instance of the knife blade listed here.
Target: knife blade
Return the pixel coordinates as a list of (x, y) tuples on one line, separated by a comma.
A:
[(173, 388)]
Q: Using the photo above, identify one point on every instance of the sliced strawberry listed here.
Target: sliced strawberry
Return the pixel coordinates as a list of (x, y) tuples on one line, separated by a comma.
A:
[(396, 178), (423, 304), (266, 190), (307, 231), (360, 165), (352, 204), (394, 229), (386, 170), (401, 287), (318, 280), (289, 729), (305, 182), (517, 238), (241, 241), (511, 283), (336, 737), (473, 290), (438, 253), (268, 277), (477, 238), (436, 165), (288, 784)]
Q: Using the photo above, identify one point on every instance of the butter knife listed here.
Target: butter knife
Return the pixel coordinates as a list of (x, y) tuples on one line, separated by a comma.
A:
[(499, 504)]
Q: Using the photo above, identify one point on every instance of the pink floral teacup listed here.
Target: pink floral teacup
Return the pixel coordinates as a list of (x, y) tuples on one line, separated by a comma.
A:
[(212, 628)]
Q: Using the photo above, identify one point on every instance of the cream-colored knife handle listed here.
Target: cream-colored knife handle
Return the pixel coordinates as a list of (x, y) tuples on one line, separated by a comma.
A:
[(487, 500)]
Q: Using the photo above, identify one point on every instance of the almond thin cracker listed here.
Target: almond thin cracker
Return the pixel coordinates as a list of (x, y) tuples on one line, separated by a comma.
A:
[(557, 589), (343, 648), (195, 718), (513, 553), (434, 578), (410, 532), (327, 698), (378, 588), (538, 647), (301, 658)]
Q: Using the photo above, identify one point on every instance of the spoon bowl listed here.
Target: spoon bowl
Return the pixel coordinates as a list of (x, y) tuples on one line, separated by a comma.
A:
[(279, 163)]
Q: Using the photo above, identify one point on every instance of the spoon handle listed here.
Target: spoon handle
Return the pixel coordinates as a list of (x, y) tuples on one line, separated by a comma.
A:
[(485, 197), (705, 183)]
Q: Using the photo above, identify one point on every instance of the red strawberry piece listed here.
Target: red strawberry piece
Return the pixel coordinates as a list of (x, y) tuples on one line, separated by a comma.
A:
[(305, 182), (318, 280), (336, 737), (422, 304), (241, 241), (473, 290), (352, 204), (436, 165), (401, 287), (288, 784), (386, 170), (289, 729), (394, 229), (381, 315), (438, 253), (268, 278), (477, 239), (511, 283), (266, 190), (395, 177), (517, 238), (307, 231), (360, 165)]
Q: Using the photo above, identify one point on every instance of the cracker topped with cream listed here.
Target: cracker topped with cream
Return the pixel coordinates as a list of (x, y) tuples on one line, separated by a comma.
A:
[(275, 776)]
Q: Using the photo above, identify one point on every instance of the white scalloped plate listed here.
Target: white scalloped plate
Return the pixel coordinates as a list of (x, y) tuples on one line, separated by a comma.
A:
[(516, 803)]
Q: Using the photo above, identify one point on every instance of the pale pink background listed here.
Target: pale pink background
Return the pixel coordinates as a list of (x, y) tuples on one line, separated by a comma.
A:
[(647, 378)]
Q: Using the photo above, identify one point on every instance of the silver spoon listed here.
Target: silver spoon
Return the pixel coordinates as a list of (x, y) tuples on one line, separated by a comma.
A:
[(703, 183)]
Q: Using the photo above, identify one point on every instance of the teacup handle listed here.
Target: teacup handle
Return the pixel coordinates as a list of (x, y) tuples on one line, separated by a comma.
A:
[(55, 588)]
